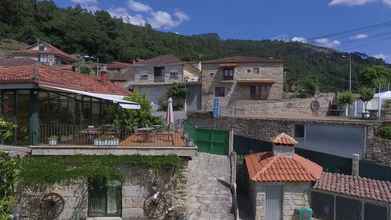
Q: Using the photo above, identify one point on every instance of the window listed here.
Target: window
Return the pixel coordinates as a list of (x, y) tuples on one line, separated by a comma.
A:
[(299, 131), (248, 70), (219, 91), (158, 74), (228, 74), (104, 198), (260, 92), (173, 75), (144, 77), (256, 70)]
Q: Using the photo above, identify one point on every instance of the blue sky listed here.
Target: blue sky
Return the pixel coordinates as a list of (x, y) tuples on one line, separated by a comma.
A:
[(300, 20)]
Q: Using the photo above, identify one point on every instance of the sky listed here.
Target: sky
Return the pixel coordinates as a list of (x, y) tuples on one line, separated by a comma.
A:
[(310, 21)]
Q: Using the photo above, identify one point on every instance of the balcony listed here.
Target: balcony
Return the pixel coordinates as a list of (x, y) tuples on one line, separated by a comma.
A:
[(62, 139)]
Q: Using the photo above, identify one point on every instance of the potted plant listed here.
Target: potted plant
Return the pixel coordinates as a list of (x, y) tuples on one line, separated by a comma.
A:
[(53, 140), (106, 140), (345, 98)]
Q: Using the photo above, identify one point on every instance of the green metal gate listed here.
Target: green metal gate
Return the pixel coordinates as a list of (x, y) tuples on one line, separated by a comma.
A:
[(214, 141)]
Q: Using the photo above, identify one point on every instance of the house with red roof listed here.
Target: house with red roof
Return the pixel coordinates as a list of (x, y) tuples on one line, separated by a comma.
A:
[(46, 53), (280, 181)]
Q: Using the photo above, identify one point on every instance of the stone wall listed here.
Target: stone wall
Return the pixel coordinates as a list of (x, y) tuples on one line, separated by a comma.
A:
[(295, 195), (212, 77), (379, 151), (280, 107), (136, 188)]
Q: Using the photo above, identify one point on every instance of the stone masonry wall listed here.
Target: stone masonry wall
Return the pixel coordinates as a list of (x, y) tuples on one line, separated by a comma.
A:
[(379, 151), (295, 196), (136, 188)]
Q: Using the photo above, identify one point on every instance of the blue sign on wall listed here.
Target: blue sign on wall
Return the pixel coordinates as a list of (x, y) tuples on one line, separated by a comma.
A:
[(216, 108)]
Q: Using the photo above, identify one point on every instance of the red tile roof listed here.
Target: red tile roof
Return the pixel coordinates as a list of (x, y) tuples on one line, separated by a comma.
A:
[(117, 65), (355, 186), (284, 139), (16, 61), (265, 167), (243, 59), (53, 76), (161, 60), (50, 50)]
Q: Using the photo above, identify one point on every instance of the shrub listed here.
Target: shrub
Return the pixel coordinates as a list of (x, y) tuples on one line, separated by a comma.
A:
[(6, 130), (345, 98), (385, 132)]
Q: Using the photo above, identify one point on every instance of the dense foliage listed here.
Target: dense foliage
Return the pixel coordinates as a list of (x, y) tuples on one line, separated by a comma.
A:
[(77, 31), (7, 182), (58, 169), (7, 130), (345, 98), (178, 94), (132, 119)]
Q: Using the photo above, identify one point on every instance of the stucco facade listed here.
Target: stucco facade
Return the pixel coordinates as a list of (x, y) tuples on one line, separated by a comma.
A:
[(246, 76)]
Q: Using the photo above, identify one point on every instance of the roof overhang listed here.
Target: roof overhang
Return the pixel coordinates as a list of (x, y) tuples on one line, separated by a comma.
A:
[(255, 81), (228, 65), (116, 99)]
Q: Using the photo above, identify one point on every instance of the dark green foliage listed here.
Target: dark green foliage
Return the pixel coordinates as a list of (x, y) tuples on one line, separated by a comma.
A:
[(75, 30), (7, 130), (7, 182), (375, 76), (131, 119), (178, 94), (345, 98), (307, 87), (366, 94), (385, 132), (58, 169)]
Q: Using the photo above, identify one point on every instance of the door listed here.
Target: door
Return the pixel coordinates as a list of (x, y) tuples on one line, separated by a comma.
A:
[(273, 202)]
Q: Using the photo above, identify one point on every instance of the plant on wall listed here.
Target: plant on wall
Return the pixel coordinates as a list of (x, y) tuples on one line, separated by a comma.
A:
[(132, 119), (7, 130), (7, 182), (178, 93), (345, 98)]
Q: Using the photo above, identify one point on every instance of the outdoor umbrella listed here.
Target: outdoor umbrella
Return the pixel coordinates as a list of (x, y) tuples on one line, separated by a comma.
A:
[(170, 114)]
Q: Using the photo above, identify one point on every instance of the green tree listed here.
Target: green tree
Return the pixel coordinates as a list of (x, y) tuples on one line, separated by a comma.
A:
[(366, 95), (132, 119), (307, 87), (7, 130)]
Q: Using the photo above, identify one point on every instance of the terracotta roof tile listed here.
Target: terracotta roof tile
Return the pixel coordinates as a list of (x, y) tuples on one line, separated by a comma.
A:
[(265, 167), (243, 59), (355, 186), (284, 139), (52, 76), (16, 61)]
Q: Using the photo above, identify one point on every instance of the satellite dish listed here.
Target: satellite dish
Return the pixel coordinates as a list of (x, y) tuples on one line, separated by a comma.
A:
[(52, 205)]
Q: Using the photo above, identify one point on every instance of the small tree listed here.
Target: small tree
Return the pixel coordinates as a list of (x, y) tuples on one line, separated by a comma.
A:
[(178, 93), (307, 87), (131, 119), (366, 95), (345, 98)]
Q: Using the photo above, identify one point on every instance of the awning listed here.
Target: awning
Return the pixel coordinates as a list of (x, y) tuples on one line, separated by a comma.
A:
[(116, 99), (255, 81)]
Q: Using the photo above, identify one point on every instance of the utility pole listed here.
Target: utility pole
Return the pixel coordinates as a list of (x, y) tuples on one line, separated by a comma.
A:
[(350, 73)]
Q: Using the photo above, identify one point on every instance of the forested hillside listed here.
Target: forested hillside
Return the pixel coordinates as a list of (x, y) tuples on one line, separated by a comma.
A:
[(78, 31)]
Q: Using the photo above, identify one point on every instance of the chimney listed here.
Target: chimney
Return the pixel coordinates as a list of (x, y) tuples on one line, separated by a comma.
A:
[(356, 165), (284, 145)]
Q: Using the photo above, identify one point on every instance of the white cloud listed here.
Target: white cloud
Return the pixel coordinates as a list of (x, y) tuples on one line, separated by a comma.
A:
[(349, 2), (381, 56), (123, 14), (387, 2), (164, 20), (325, 42), (90, 5), (138, 6), (299, 39), (359, 36)]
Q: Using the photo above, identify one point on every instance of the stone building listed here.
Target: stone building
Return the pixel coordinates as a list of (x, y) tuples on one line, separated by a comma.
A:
[(153, 78), (280, 181), (234, 79)]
